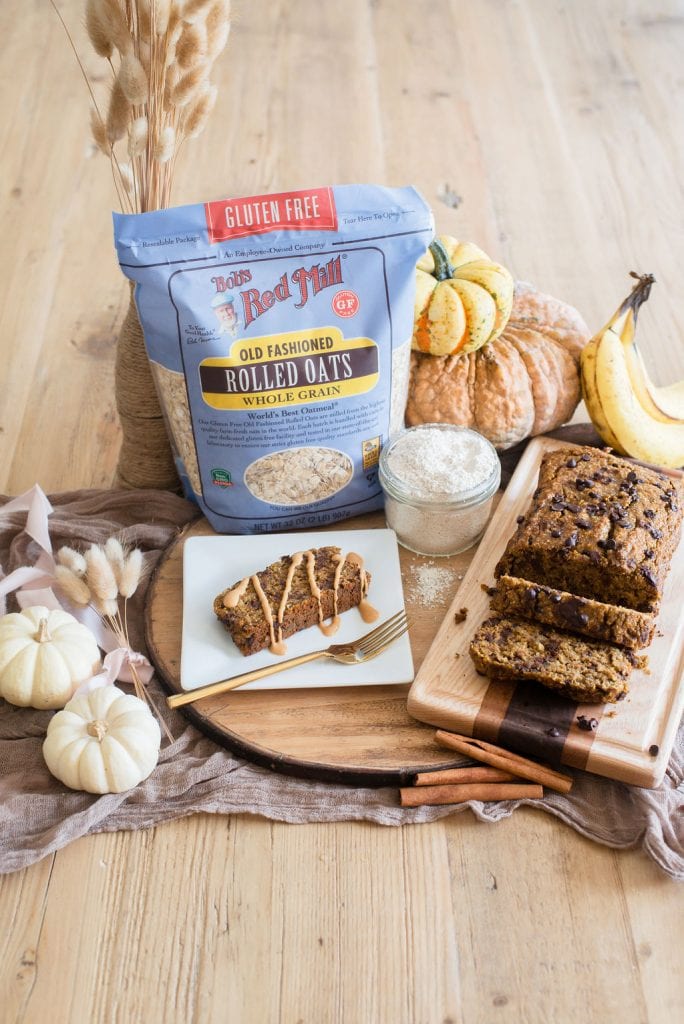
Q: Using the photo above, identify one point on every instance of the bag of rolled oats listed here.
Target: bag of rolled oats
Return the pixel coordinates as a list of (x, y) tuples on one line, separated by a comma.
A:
[(278, 329)]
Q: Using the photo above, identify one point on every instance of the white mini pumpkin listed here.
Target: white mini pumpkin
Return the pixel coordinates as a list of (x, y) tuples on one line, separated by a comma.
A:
[(105, 741), (45, 654)]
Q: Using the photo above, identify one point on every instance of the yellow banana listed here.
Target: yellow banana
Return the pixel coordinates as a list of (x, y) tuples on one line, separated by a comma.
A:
[(670, 399), (640, 434), (628, 411), (665, 404), (591, 396)]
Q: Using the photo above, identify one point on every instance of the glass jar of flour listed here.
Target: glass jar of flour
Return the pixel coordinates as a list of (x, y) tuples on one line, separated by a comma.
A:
[(439, 481)]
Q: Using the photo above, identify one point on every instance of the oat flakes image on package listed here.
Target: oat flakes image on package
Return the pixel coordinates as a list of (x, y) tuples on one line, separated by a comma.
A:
[(299, 476)]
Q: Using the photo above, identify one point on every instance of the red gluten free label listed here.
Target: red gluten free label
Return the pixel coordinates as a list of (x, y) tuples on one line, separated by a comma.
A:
[(345, 303), (311, 209)]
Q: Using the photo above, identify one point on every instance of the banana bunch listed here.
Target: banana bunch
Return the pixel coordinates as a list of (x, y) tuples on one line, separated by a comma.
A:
[(630, 413)]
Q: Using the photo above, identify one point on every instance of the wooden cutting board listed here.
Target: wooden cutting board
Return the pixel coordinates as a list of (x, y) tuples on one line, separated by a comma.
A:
[(357, 735), (634, 738)]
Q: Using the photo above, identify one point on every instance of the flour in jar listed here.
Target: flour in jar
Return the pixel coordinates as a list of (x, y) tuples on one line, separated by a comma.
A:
[(439, 481), (438, 464)]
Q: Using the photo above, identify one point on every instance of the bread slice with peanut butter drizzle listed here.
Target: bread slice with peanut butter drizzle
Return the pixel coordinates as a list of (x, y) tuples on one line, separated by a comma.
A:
[(307, 588)]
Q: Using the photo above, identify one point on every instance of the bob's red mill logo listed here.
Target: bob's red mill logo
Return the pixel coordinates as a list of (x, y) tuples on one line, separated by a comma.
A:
[(299, 284), (309, 210)]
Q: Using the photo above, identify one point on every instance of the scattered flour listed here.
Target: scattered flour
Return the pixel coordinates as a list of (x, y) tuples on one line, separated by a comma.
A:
[(431, 584)]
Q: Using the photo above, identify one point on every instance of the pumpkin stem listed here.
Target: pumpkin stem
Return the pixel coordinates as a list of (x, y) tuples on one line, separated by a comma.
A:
[(42, 636), (443, 269), (639, 293), (98, 729)]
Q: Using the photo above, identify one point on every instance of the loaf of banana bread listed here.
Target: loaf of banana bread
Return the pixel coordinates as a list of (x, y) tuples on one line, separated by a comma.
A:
[(598, 527), (615, 624), (587, 671), (289, 595)]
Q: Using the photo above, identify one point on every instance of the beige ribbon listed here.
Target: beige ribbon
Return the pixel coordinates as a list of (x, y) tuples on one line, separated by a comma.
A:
[(32, 586)]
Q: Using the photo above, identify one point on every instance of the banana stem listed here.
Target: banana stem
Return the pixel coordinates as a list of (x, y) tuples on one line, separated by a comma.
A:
[(443, 269), (639, 293)]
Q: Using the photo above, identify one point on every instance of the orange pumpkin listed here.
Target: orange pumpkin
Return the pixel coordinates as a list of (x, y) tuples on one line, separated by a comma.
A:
[(524, 383)]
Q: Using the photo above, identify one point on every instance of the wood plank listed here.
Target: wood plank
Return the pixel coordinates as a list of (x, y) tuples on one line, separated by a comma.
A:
[(46, 210), (653, 911), (281, 923), (565, 972), (23, 902), (638, 197)]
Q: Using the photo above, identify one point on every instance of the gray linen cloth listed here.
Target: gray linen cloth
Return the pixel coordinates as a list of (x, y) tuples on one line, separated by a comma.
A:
[(39, 815)]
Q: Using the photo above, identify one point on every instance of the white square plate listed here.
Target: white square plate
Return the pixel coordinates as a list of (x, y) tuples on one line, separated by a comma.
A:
[(211, 564)]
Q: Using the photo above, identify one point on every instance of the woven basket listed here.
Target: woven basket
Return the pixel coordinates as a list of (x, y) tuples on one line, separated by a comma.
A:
[(145, 460)]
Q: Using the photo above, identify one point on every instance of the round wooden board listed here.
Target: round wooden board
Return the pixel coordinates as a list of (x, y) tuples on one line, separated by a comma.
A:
[(359, 735)]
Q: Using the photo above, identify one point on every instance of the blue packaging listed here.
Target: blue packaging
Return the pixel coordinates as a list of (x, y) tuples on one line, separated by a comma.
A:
[(278, 329)]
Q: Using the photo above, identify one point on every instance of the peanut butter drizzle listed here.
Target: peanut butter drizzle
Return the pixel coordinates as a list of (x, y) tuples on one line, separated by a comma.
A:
[(366, 610), (313, 585), (331, 627), (231, 598), (266, 609), (277, 646)]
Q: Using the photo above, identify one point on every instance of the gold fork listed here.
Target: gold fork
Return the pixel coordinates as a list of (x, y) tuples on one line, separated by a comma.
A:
[(355, 653)]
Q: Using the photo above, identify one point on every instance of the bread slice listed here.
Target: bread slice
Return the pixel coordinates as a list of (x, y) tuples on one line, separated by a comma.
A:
[(616, 625), (587, 671), (248, 621)]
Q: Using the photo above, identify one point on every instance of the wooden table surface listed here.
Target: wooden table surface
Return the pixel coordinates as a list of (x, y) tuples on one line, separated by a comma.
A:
[(560, 126)]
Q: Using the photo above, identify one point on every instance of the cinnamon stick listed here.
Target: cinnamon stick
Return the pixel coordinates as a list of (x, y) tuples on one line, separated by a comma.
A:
[(498, 757), (415, 796), (461, 775)]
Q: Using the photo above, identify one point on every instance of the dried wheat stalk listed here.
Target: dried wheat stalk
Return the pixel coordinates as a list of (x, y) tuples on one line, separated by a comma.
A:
[(161, 54), (101, 577)]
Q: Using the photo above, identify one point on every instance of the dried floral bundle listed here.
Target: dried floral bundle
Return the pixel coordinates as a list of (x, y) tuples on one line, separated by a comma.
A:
[(105, 577), (161, 54)]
